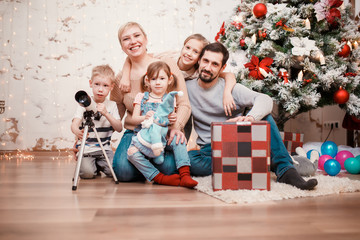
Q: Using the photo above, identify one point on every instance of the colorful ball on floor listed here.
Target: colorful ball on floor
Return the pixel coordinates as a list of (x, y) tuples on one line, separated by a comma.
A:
[(352, 165), (342, 156), (322, 160), (332, 167), (329, 148)]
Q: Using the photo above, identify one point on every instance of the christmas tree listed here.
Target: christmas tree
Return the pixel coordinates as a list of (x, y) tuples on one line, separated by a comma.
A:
[(303, 53)]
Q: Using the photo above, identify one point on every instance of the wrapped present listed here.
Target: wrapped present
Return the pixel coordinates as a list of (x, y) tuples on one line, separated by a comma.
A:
[(292, 141), (241, 155)]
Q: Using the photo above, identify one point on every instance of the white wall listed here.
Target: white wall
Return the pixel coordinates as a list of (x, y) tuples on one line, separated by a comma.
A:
[(311, 124), (48, 49)]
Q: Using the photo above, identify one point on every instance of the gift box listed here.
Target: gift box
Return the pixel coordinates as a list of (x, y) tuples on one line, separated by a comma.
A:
[(240, 155), (292, 141)]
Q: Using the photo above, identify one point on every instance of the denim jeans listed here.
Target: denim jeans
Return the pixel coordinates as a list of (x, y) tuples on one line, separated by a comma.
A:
[(93, 162), (175, 157), (201, 164)]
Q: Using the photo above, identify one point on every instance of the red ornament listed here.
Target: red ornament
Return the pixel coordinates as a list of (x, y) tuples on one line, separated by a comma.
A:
[(260, 10), (238, 25), (242, 42), (262, 34), (345, 52), (350, 74), (284, 75), (341, 96)]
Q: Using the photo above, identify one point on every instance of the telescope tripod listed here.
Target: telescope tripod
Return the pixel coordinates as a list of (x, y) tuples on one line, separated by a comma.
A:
[(89, 124)]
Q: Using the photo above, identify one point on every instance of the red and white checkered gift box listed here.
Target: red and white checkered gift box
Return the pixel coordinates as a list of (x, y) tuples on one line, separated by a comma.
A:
[(292, 141), (241, 155)]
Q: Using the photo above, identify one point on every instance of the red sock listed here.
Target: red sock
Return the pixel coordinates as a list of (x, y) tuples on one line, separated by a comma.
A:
[(185, 178), (172, 180)]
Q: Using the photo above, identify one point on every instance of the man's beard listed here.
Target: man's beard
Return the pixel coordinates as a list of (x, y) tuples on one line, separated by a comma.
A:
[(207, 79)]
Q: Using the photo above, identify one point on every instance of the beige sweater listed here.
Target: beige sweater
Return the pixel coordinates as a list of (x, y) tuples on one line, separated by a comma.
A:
[(125, 100)]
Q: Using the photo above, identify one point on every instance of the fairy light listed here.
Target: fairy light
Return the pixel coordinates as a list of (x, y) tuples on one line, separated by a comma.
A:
[(322, 59), (300, 76), (349, 44), (18, 155), (356, 45), (307, 24), (253, 39)]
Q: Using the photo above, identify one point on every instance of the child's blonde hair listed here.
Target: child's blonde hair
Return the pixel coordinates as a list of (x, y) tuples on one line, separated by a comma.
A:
[(153, 71), (103, 70), (129, 24), (199, 37)]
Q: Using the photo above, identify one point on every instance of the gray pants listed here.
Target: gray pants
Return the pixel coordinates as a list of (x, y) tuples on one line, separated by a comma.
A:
[(94, 162)]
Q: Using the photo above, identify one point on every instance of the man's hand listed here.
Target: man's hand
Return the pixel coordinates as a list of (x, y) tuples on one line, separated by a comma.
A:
[(242, 119), (179, 136)]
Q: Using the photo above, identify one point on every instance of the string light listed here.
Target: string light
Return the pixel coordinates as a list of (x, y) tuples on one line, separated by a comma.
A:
[(18, 155), (356, 45)]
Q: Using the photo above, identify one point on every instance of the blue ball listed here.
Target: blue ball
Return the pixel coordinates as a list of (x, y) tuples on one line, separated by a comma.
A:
[(332, 167), (329, 148), (352, 165)]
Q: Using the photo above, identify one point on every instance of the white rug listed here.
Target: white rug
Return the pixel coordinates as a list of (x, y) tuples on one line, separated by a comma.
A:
[(326, 185)]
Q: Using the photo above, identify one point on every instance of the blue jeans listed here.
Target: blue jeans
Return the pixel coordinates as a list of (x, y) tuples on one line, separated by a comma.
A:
[(201, 164), (175, 157), (95, 161)]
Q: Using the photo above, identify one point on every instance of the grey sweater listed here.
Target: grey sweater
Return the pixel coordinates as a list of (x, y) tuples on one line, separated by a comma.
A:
[(207, 106)]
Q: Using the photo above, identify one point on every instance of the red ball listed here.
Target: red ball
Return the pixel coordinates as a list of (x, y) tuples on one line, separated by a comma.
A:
[(345, 52), (242, 42), (341, 96), (260, 10)]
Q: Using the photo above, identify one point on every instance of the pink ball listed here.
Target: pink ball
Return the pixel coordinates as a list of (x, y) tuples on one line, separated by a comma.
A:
[(342, 156), (322, 160)]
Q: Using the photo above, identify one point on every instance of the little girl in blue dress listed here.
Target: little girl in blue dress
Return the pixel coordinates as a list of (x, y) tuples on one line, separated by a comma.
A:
[(144, 155)]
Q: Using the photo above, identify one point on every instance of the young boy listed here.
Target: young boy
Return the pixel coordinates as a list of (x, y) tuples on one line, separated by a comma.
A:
[(102, 82)]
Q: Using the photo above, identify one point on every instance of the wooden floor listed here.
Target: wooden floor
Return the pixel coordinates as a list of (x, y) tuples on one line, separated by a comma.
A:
[(37, 202)]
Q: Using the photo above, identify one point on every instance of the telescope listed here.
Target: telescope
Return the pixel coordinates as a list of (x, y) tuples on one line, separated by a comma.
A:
[(85, 101)]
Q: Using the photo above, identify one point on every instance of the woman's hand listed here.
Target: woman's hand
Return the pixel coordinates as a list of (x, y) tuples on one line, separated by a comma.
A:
[(179, 136), (124, 84), (242, 119), (229, 104), (172, 118)]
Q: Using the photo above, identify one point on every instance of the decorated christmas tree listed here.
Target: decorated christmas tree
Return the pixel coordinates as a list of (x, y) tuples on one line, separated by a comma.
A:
[(303, 53)]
